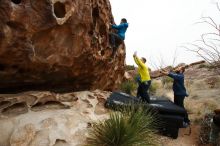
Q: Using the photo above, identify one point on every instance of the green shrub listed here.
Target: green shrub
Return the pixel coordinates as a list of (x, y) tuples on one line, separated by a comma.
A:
[(129, 67), (131, 127), (136, 77), (153, 88), (167, 82), (128, 86), (202, 66), (205, 129), (207, 66)]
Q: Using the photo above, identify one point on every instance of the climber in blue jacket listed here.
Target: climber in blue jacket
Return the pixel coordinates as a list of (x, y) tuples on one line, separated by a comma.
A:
[(178, 89), (117, 38)]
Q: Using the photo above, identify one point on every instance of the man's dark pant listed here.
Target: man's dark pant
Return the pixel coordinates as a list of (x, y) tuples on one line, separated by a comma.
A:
[(179, 100), (115, 41), (143, 91)]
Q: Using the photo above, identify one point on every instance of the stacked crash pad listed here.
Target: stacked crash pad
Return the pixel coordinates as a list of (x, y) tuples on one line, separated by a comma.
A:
[(170, 115)]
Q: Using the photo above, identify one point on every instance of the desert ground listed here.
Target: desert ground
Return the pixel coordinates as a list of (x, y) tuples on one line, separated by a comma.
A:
[(63, 119), (203, 86)]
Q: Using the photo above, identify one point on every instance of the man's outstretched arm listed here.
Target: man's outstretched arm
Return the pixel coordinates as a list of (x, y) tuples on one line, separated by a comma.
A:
[(175, 76), (171, 74), (137, 60), (164, 72)]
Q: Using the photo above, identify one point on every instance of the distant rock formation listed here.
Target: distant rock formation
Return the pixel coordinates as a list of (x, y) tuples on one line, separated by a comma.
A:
[(130, 74), (46, 44), (157, 74)]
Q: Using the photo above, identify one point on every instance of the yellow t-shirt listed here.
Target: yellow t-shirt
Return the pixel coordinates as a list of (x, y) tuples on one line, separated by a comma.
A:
[(142, 70)]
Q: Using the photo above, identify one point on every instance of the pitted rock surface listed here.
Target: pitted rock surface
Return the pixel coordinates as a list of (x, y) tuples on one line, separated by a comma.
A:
[(49, 44), (50, 119)]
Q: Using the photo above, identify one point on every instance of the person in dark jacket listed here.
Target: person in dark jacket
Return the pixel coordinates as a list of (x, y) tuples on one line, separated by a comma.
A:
[(215, 128), (117, 38), (179, 89)]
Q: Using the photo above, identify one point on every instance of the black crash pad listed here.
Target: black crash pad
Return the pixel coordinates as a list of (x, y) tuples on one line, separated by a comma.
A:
[(163, 106), (170, 115)]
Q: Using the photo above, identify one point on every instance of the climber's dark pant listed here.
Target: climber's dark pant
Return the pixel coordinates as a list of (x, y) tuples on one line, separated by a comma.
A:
[(179, 100), (214, 133), (143, 91), (115, 41)]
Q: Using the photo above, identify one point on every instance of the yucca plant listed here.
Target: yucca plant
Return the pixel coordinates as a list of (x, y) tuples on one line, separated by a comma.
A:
[(133, 126)]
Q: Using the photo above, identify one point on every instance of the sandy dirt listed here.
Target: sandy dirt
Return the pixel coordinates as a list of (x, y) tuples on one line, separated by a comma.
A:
[(203, 86), (185, 137)]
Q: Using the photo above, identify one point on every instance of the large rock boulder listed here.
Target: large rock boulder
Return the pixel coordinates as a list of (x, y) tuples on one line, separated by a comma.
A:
[(50, 119), (49, 44)]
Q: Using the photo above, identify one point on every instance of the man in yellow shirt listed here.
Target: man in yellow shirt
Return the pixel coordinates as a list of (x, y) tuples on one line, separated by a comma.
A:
[(145, 80)]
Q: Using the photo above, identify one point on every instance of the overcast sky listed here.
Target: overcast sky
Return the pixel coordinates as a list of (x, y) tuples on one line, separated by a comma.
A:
[(158, 27)]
